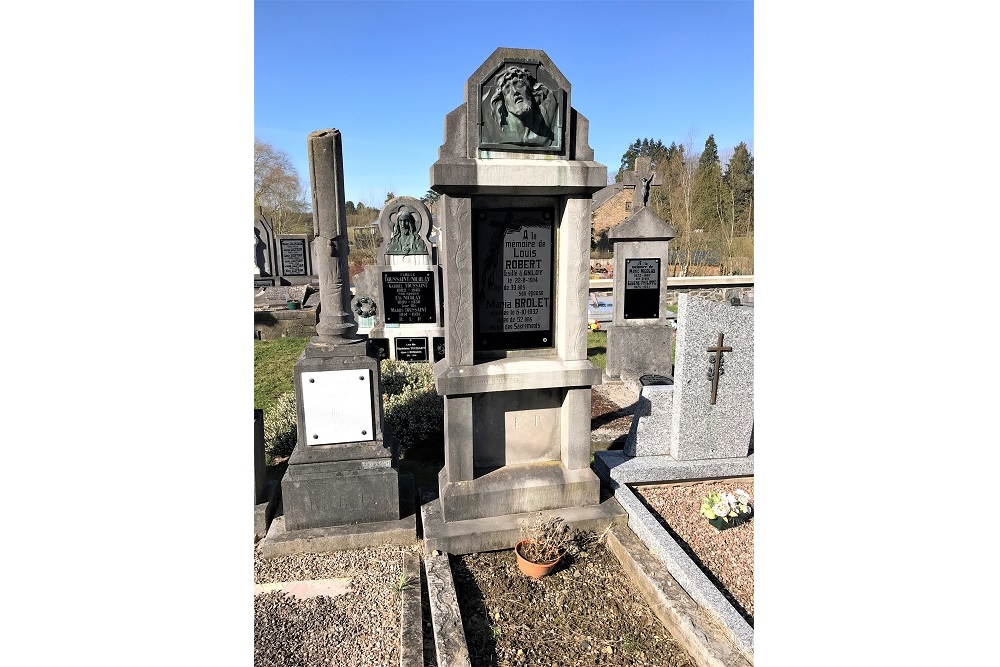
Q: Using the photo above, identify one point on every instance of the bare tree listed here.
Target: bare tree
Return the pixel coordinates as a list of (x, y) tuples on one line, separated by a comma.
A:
[(277, 190)]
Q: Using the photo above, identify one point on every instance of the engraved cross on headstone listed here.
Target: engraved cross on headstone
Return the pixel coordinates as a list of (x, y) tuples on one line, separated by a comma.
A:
[(642, 178), (716, 364)]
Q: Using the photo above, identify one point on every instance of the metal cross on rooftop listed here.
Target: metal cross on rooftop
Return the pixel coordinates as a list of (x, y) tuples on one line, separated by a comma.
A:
[(641, 179)]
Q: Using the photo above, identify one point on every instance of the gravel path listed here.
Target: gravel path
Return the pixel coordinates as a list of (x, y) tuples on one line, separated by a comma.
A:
[(359, 628), (725, 556)]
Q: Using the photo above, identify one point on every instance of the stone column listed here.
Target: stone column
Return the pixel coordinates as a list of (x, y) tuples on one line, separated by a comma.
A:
[(336, 320)]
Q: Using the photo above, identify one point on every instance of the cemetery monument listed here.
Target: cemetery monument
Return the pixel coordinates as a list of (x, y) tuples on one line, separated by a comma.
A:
[(401, 293), (639, 338), (341, 488), (516, 174), (701, 427)]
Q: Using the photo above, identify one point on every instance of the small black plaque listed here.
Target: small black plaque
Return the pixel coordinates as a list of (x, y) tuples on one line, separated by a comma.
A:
[(642, 289), (408, 297), (512, 269), (411, 349), (438, 348), (293, 257), (378, 348)]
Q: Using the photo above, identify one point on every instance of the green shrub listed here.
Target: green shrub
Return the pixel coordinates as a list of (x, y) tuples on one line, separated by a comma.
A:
[(280, 429), (414, 413)]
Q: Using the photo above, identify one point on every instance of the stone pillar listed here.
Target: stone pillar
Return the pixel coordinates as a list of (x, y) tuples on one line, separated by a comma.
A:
[(336, 321)]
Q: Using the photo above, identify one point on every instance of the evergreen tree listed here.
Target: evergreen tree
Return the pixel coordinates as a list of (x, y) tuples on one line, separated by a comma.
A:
[(708, 193), (739, 179)]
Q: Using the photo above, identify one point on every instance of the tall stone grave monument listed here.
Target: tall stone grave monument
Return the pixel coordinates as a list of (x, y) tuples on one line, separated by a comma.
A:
[(701, 426), (639, 339), (516, 175), (402, 291), (341, 486)]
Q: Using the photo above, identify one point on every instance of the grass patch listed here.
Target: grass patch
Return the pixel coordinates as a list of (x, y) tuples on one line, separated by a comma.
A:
[(274, 369), (597, 348)]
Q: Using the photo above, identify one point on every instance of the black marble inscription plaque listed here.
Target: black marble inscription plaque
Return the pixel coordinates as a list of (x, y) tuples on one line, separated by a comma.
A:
[(293, 257), (411, 349), (408, 297), (512, 269), (642, 289), (438, 348), (378, 348)]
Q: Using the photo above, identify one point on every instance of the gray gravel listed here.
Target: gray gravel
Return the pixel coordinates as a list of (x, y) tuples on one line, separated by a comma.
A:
[(360, 628)]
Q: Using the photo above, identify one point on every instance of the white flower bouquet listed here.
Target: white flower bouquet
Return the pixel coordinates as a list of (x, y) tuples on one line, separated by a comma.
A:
[(725, 510)]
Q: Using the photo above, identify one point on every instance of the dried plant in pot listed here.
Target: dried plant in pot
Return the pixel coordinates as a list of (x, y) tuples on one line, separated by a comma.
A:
[(542, 544)]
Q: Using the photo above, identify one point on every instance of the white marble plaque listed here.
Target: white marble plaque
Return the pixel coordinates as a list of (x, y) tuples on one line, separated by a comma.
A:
[(337, 406)]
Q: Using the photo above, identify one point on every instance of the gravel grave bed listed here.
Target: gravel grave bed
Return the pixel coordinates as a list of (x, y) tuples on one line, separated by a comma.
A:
[(587, 612), (725, 556), (360, 628)]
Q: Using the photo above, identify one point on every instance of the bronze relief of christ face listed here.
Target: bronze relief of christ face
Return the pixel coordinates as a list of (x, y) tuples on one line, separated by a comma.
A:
[(520, 112)]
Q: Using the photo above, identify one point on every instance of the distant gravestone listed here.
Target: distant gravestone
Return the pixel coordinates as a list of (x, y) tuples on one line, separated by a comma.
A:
[(295, 258), (400, 295), (640, 340), (263, 248)]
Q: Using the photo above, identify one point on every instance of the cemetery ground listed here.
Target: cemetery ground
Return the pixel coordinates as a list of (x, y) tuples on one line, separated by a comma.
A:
[(588, 612)]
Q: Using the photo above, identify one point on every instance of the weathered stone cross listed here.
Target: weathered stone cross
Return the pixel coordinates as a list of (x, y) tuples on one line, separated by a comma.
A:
[(716, 362), (641, 179)]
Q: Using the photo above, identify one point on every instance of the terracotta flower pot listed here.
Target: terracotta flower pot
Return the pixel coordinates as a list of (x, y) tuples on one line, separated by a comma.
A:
[(533, 570)]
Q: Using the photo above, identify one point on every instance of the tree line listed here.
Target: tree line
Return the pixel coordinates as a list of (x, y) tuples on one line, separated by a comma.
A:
[(710, 208)]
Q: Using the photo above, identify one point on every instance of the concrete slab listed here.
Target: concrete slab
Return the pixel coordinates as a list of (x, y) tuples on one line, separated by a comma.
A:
[(709, 644), (411, 630), (308, 588), (615, 466)]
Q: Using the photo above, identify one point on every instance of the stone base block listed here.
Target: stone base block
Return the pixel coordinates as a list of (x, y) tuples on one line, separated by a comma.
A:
[(264, 511), (518, 488), (402, 531), (503, 532), (634, 351), (616, 468), (317, 495), (651, 429)]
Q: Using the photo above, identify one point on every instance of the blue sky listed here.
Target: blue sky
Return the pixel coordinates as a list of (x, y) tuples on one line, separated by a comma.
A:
[(386, 74)]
